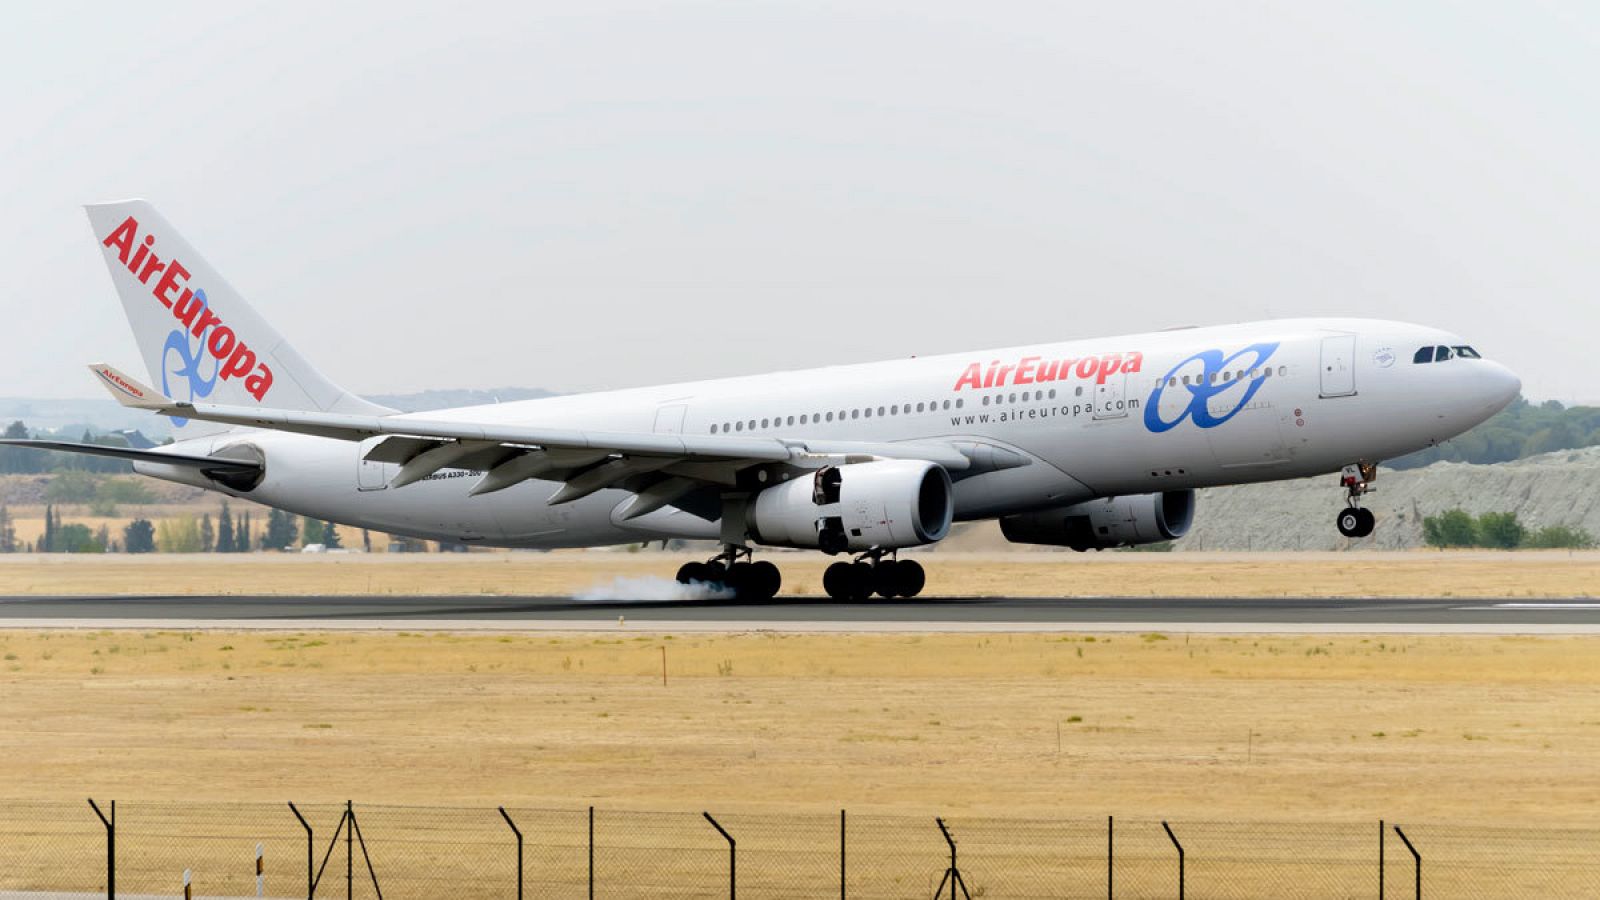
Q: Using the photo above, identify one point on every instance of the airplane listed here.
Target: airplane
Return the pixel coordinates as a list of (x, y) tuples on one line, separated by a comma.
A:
[(1087, 444)]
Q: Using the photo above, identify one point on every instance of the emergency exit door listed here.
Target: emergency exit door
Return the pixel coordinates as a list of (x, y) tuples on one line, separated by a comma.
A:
[(1339, 365)]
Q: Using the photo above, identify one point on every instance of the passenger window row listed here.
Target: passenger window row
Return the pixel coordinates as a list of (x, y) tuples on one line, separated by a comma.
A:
[(1225, 377), (868, 412), (1440, 354), (865, 412)]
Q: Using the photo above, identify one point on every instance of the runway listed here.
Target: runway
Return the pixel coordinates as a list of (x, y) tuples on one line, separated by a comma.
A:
[(1223, 615)]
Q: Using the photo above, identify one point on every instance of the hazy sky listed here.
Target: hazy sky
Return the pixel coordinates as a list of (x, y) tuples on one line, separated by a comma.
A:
[(588, 195)]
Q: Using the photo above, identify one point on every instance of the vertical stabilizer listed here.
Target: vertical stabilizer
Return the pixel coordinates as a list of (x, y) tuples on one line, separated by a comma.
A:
[(200, 340)]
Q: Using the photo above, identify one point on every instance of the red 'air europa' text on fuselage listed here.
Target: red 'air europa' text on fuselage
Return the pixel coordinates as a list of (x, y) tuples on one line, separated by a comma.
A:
[(1038, 370), (234, 357)]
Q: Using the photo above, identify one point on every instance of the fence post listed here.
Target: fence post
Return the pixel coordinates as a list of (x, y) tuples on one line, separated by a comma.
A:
[(1380, 859), (1111, 833), (518, 833), (1175, 843), (732, 881), (311, 882), (841, 854), (1415, 856), (591, 853), (111, 846)]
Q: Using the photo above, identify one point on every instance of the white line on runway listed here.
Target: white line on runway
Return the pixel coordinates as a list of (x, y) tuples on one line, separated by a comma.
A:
[(1525, 606), (659, 626)]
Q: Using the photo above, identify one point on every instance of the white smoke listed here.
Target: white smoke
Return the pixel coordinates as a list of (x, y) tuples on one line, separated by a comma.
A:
[(651, 588)]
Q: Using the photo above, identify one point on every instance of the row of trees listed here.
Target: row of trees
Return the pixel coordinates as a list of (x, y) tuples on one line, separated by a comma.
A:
[(1499, 531), (228, 533), (23, 461)]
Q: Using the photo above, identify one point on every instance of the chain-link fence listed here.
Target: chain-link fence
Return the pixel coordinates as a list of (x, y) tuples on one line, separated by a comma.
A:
[(64, 850)]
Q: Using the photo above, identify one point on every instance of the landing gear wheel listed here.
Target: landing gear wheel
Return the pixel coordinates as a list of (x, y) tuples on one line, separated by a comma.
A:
[(739, 581), (691, 572), (762, 580), (860, 581), (1356, 522), (836, 581), (886, 579), (912, 578)]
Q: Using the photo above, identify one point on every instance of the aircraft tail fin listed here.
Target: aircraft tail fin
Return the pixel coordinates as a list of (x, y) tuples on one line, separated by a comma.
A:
[(200, 339)]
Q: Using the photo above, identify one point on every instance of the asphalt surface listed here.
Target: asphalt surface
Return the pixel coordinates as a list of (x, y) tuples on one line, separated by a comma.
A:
[(1348, 614)]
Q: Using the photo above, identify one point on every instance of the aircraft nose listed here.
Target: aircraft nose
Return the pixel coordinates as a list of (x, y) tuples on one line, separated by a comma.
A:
[(1502, 384)]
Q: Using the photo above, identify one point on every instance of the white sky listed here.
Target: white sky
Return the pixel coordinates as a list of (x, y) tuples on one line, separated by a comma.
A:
[(589, 195)]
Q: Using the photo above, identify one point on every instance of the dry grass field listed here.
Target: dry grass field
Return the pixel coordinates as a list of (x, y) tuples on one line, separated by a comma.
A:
[(1486, 729), (1373, 574)]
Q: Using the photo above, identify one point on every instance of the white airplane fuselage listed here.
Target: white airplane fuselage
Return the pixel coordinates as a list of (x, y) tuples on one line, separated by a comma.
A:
[(1136, 414)]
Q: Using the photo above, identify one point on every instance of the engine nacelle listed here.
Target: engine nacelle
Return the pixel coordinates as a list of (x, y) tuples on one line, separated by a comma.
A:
[(1109, 522), (886, 504)]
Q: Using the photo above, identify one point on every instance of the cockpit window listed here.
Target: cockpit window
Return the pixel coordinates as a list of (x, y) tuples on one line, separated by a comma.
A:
[(1440, 354)]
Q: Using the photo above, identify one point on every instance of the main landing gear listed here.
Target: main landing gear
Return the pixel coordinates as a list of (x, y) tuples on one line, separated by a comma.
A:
[(872, 574), (1355, 521), (748, 580)]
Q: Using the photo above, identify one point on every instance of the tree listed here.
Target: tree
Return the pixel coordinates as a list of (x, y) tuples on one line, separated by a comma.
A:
[(281, 531), (311, 531), (1453, 528), (72, 487), (102, 537), (1501, 531), (1559, 537), (330, 536), (208, 535), (180, 535), (21, 460), (139, 537), (8, 532), (225, 530), (47, 540), (242, 536), (76, 538)]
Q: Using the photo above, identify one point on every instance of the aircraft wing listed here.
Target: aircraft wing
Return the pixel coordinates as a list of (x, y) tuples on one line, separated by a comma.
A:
[(587, 461)]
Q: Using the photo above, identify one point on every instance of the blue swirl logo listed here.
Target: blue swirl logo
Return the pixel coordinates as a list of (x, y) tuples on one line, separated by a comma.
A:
[(1211, 384), (182, 357)]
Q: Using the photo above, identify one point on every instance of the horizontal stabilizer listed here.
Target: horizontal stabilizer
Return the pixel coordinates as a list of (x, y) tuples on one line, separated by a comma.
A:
[(130, 391), (210, 464)]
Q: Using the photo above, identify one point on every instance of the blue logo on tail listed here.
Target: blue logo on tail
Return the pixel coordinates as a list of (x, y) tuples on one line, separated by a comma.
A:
[(190, 353)]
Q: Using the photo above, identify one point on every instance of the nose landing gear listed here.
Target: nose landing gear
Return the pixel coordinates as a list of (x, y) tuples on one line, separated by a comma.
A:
[(872, 574), (1354, 521), (748, 580)]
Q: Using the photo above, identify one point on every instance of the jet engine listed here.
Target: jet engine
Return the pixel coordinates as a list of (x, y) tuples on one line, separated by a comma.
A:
[(1107, 522), (886, 504)]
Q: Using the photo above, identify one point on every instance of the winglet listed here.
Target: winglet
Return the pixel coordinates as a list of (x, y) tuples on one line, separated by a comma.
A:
[(129, 391)]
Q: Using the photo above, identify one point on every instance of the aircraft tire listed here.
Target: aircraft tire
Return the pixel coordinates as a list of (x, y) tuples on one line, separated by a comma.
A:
[(836, 581), (763, 580), (690, 572), (1368, 522), (912, 577), (886, 579), (860, 581), (1349, 522), (742, 582)]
